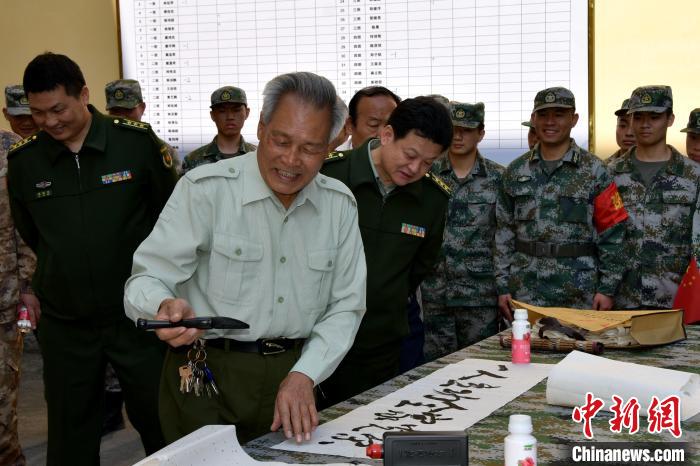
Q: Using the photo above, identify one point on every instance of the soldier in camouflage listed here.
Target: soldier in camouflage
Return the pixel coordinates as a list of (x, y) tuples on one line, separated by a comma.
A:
[(17, 112), (17, 263), (624, 136), (692, 137), (661, 191), (124, 99), (531, 135), (459, 297), (560, 221), (229, 111)]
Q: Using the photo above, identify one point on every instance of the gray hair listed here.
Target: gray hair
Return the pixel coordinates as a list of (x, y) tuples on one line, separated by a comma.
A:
[(311, 88)]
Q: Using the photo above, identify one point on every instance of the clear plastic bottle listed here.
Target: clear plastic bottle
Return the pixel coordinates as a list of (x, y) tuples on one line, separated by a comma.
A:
[(520, 446)]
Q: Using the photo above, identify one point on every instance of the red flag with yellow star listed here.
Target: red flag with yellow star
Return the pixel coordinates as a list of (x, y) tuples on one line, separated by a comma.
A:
[(608, 209), (688, 295)]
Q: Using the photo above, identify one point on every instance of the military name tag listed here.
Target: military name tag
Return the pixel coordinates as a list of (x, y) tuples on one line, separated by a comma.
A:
[(116, 177), (413, 230)]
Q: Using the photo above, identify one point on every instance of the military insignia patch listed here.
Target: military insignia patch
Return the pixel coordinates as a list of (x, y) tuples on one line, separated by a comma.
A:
[(119, 94), (23, 100), (22, 143), (42, 194), (646, 99), (524, 178), (438, 181), (116, 177), (413, 230), (42, 184), (334, 156), (549, 98), (460, 113), (226, 95), (166, 157)]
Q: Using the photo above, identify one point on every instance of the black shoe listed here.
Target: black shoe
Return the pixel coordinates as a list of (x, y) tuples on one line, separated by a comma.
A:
[(113, 419)]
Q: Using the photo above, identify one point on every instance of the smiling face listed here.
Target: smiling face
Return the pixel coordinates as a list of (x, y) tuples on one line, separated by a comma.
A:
[(23, 125), (229, 118), (650, 127), (405, 160), (62, 116), (553, 125), (293, 145)]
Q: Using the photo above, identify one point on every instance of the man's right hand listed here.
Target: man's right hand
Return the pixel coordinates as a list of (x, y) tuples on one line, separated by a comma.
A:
[(504, 306), (175, 310)]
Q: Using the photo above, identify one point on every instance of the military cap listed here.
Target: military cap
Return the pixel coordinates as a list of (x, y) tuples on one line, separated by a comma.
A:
[(527, 123), (554, 97), (623, 108), (228, 95), (693, 122), (655, 99), (467, 115), (123, 93), (16, 101)]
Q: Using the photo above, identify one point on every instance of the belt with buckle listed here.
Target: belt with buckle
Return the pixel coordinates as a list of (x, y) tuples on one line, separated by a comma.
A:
[(542, 249), (263, 346)]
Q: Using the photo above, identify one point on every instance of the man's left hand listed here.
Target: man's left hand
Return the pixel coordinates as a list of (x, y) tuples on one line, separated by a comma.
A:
[(295, 407), (602, 302)]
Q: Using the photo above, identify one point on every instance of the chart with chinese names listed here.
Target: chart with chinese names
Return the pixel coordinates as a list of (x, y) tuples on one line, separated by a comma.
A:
[(500, 52)]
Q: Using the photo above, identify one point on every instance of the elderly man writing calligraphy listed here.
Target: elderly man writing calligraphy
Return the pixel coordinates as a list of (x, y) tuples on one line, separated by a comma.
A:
[(265, 239)]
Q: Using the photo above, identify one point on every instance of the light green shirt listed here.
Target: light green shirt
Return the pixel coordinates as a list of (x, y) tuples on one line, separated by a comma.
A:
[(226, 244)]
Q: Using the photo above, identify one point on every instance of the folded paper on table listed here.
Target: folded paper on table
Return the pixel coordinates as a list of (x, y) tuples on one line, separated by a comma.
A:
[(646, 328), (580, 372), (210, 446)]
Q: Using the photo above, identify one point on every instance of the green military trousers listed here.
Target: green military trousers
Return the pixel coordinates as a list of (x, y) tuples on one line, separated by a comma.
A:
[(75, 355), (247, 384), (448, 329)]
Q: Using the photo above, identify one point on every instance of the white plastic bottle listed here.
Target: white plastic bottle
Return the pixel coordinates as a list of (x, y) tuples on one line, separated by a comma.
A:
[(520, 447), (520, 345)]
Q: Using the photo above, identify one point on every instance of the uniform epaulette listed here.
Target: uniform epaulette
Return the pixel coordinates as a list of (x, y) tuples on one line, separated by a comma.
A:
[(441, 184), (126, 123), (334, 156), (20, 144)]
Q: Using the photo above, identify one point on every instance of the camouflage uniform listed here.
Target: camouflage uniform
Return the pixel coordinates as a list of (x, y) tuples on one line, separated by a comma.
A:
[(17, 264), (459, 297), (619, 153), (548, 251), (126, 93), (210, 153), (664, 225)]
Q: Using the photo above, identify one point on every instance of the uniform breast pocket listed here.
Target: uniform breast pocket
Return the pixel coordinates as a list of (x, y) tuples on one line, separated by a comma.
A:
[(234, 268), (573, 209), (676, 208), (316, 282), (483, 209), (524, 207)]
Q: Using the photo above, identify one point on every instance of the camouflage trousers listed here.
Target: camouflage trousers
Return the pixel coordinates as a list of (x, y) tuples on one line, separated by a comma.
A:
[(448, 329), (10, 354)]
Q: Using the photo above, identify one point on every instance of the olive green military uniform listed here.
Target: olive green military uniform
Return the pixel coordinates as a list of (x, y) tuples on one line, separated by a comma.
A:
[(210, 153), (84, 215), (402, 234)]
